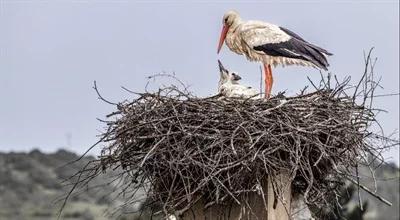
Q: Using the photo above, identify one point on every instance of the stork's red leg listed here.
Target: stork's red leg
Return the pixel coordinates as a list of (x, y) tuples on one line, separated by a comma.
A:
[(266, 83), (271, 80), (268, 80)]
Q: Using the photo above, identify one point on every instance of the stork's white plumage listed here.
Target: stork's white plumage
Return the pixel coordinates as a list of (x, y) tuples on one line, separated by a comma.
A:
[(270, 44), (229, 85)]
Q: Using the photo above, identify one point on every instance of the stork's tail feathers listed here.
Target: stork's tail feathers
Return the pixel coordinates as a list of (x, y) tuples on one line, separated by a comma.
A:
[(317, 56), (310, 52), (325, 52)]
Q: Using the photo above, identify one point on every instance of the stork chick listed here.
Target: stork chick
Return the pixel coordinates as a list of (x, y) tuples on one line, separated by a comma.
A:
[(229, 85)]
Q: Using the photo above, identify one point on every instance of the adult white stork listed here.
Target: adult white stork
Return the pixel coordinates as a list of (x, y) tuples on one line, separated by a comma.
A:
[(270, 44)]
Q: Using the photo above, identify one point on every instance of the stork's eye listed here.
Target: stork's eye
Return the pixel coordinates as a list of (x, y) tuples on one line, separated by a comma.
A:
[(226, 20)]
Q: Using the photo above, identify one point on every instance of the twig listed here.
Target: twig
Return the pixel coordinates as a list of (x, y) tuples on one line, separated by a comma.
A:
[(370, 192)]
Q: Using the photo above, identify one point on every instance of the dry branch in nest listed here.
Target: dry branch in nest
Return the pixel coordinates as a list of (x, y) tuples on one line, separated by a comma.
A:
[(180, 148)]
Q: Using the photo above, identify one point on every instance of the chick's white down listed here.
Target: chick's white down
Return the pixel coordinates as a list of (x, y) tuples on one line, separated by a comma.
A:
[(229, 86)]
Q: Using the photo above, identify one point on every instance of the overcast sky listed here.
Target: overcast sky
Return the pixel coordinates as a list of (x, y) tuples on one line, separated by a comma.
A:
[(52, 51)]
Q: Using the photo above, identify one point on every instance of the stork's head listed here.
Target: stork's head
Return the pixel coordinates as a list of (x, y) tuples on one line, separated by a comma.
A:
[(226, 76), (230, 18)]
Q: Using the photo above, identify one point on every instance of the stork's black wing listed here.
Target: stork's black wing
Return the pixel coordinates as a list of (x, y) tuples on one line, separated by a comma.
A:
[(297, 48), (294, 35)]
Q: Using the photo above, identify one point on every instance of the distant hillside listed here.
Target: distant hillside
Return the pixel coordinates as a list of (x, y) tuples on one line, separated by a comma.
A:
[(31, 182)]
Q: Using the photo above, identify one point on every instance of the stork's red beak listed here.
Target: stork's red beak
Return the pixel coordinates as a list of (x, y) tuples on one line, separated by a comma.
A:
[(222, 37)]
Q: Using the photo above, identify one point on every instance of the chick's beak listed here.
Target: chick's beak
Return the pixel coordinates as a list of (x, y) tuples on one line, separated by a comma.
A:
[(222, 37), (237, 77), (221, 67)]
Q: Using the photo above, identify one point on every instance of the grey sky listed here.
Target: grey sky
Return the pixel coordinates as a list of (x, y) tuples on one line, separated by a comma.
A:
[(52, 51)]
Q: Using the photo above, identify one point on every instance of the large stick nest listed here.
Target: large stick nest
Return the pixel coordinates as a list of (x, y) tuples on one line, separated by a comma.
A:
[(181, 148), (219, 148)]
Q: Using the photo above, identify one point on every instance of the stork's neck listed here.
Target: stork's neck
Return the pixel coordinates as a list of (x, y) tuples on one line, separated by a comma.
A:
[(238, 21), (233, 39)]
